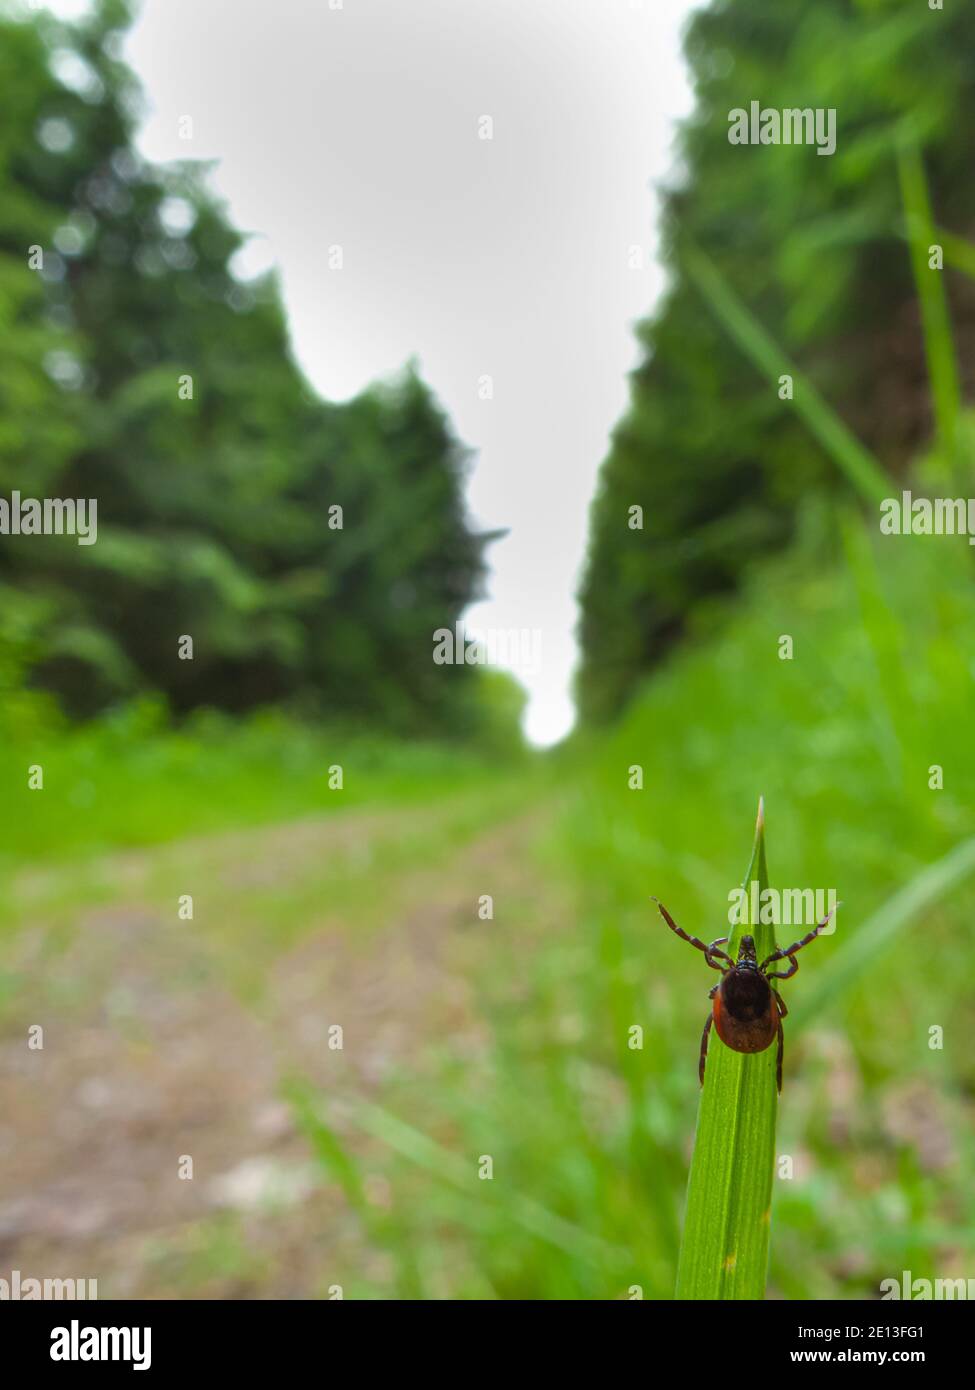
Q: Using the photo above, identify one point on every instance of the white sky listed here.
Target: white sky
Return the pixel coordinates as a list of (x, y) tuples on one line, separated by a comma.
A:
[(358, 126)]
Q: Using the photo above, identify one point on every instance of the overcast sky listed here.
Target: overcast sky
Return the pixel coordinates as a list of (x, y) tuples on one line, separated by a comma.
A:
[(357, 125)]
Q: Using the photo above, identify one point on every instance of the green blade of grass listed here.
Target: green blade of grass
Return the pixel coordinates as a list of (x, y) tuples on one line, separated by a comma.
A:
[(856, 462), (959, 253), (449, 1169), (457, 1172), (858, 951), (893, 710), (330, 1154), (724, 1251), (936, 323)]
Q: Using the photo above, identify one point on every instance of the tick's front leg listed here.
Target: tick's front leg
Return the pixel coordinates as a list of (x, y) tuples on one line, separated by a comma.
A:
[(692, 940), (712, 953), (789, 952)]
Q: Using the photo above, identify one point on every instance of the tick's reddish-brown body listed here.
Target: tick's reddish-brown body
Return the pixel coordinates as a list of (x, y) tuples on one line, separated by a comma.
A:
[(746, 1011), (745, 1014)]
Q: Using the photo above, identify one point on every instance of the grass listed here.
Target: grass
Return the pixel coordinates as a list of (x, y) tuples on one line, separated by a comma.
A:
[(130, 779), (724, 1250), (935, 319), (590, 1133), (854, 461), (594, 1130)]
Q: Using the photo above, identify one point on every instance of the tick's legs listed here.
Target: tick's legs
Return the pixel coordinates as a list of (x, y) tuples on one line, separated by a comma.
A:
[(713, 951), (693, 941), (781, 1003), (782, 974), (704, 1047), (790, 952), (778, 1062)]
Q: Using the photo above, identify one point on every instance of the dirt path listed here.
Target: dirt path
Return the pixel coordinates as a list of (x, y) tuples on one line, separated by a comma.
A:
[(166, 1038)]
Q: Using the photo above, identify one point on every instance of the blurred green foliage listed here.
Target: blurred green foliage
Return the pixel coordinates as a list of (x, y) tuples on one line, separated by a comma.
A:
[(130, 779), (877, 1122), (814, 248), (216, 514)]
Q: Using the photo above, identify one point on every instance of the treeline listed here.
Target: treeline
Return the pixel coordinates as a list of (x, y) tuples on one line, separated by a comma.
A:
[(813, 246), (309, 550)]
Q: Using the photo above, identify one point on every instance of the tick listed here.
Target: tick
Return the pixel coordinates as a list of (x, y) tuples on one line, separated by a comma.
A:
[(746, 1011)]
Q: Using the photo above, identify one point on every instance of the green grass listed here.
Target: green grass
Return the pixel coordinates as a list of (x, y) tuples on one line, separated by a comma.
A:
[(935, 319), (854, 461), (591, 1132), (130, 779), (724, 1250), (596, 1131)]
